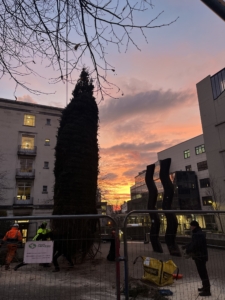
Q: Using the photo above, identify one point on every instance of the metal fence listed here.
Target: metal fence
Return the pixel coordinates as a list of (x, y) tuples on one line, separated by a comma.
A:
[(92, 278), (187, 287), (97, 278)]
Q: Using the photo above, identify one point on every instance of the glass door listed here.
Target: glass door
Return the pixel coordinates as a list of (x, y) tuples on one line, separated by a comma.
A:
[(23, 191), (26, 165)]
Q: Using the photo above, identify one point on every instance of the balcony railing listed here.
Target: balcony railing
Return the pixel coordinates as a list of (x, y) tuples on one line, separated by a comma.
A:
[(27, 151), (23, 202), (23, 173)]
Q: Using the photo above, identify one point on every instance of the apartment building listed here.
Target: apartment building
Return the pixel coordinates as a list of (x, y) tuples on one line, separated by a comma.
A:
[(190, 155), (28, 138), (211, 97), (190, 176)]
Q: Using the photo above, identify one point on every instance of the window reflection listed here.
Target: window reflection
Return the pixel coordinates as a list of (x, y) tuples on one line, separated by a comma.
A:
[(218, 83)]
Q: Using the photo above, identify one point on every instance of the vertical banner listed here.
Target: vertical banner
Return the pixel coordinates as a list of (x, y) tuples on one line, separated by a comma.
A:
[(38, 252)]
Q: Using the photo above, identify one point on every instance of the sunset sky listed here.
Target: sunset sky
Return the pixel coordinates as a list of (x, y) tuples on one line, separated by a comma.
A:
[(159, 107)]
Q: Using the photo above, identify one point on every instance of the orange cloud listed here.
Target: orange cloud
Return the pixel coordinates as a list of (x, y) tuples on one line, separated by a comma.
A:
[(134, 128)]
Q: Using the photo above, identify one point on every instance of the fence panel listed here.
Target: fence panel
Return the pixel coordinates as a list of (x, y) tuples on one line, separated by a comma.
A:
[(137, 244), (92, 278)]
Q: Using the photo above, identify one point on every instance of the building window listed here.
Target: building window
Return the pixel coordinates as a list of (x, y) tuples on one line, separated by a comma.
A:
[(48, 121), (45, 189), (23, 191), (27, 142), (204, 183), (186, 153), (202, 165), (210, 222), (46, 165), (200, 149), (26, 165), (218, 83), (188, 168), (29, 120), (47, 142), (207, 201)]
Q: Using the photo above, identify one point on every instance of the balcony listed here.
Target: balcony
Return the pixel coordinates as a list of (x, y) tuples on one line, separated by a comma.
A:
[(27, 151), (25, 174), (21, 202)]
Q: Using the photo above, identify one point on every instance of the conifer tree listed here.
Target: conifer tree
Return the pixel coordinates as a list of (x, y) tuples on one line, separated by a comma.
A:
[(76, 165)]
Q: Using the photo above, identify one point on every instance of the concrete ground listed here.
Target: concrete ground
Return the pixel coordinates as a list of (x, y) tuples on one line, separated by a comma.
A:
[(187, 287), (95, 280)]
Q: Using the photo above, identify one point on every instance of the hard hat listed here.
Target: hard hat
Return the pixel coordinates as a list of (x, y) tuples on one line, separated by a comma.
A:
[(44, 222), (16, 225)]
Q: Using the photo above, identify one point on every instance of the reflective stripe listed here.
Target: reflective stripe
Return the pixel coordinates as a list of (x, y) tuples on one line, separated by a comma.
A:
[(12, 241)]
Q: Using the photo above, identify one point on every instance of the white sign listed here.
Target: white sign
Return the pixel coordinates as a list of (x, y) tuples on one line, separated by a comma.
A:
[(38, 252)]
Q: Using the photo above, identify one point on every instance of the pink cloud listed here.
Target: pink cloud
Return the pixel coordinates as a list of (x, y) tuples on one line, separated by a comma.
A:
[(178, 68), (26, 98)]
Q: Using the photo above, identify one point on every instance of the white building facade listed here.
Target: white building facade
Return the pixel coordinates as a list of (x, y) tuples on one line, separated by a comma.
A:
[(190, 155), (211, 97), (28, 134)]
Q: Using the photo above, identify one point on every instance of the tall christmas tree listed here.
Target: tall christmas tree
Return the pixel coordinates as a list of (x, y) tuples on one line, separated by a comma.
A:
[(76, 165)]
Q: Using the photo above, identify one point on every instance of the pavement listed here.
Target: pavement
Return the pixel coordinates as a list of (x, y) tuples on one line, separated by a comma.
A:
[(189, 290), (96, 280), (187, 287)]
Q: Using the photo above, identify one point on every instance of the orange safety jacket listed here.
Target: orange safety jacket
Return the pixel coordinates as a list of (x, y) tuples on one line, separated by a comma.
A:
[(13, 236)]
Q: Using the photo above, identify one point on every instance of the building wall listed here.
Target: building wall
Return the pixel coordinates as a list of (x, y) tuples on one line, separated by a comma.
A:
[(213, 123), (179, 163), (124, 208), (11, 130), (137, 204), (139, 188), (109, 210)]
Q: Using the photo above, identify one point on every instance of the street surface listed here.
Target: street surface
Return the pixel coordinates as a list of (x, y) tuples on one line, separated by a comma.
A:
[(95, 280)]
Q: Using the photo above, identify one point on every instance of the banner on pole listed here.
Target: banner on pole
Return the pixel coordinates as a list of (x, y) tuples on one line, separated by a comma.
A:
[(38, 252)]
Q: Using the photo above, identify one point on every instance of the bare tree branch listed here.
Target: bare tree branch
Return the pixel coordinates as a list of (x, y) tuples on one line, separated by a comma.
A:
[(58, 34)]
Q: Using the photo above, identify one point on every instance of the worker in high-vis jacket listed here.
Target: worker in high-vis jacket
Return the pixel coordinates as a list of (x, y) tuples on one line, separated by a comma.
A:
[(42, 233), (12, 238)]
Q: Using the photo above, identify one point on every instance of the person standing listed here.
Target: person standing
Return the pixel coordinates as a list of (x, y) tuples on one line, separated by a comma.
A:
[(12, 238), (42, 233), (112, 250), (61, 248), (197, 248)]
